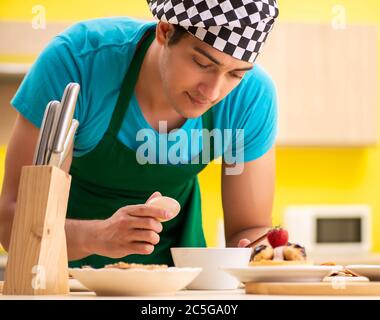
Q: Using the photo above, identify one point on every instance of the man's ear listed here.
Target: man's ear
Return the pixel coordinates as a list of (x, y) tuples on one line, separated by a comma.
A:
[(164, 31)]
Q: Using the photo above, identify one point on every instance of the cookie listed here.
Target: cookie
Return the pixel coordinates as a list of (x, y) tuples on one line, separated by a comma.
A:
[(124, 265), (344, 275)]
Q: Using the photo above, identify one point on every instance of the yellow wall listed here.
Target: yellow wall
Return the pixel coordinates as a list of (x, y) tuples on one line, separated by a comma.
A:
[(72, 10), (304, 175), (318, 175)]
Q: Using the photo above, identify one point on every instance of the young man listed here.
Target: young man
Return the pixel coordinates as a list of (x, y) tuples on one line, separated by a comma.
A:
[(193, 70)]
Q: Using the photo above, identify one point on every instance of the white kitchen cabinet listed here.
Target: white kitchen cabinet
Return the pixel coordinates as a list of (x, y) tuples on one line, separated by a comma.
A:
[(327, 83)]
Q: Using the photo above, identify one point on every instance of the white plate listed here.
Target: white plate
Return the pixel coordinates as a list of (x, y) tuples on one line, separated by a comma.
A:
[(135, 282), (281, 273), (367, 270), (76, 286)]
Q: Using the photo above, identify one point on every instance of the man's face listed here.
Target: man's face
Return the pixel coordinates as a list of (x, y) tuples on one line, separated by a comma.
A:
[(197, 76)]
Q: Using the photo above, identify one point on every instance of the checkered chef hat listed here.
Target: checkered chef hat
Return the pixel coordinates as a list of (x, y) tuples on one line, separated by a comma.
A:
[(236, 27)]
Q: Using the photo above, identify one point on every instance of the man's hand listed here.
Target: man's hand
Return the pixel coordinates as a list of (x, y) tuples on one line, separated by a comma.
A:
[(132, 229), (243, 243), (247, 200)]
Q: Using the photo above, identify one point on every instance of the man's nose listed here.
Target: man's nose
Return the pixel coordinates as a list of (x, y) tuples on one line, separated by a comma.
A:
[(211, 88)]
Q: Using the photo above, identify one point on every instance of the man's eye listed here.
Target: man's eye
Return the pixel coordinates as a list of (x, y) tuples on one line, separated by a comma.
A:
[(200, 64), (237, 76)]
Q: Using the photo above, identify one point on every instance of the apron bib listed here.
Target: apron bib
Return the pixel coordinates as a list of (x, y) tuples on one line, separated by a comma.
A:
[(109, 177)]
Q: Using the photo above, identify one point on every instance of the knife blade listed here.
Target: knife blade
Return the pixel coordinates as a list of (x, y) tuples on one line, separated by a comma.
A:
[(56, 107), (49, 114), (68, 103), (37, 151)]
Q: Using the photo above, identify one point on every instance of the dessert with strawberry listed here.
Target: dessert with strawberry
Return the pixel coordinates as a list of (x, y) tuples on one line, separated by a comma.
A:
[(280, 251)]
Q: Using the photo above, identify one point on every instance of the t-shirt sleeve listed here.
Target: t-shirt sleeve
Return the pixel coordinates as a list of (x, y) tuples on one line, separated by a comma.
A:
[(256, 121), (46, 80)]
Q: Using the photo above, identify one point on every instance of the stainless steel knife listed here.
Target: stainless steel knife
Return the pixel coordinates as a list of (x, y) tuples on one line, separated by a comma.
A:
[(37, 151), (68, 103), (56, 109), (45, 130)]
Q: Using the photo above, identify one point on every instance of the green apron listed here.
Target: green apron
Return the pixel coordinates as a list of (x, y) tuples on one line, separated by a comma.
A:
[(109, 177)]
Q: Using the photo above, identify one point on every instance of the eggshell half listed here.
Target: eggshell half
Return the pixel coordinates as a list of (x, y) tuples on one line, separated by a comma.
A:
[(166, 203)]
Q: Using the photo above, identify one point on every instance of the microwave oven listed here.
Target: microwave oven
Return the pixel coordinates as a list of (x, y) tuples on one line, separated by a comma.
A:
[(330, 229)]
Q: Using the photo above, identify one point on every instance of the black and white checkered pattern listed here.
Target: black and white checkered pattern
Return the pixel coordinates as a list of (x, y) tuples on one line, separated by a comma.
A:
[(236, 27)]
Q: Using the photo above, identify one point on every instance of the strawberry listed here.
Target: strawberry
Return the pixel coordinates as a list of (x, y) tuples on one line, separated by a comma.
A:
[(277, 237)]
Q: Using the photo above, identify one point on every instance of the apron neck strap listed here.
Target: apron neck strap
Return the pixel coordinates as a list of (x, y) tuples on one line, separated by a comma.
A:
[(207, 120), (129, 82)]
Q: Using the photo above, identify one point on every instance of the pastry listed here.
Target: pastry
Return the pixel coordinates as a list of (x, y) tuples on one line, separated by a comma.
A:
[(291, 254), (279, 252), (262, 252), (294, 252)]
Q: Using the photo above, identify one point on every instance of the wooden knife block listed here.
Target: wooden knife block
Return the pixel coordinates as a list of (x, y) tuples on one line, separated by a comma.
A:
[(37, 257)]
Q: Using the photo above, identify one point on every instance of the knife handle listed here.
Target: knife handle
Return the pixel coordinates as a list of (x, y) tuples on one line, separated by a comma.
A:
[(69, 141), (55, 159)]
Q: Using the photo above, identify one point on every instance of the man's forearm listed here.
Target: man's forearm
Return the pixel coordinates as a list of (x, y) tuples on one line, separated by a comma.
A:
[(7, 209), (250, 234), (81, 237)]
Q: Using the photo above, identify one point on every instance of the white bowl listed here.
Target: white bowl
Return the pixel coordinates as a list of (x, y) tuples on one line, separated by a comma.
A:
[(212, 260)]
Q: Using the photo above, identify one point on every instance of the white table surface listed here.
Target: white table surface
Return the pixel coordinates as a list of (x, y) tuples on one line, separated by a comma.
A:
[(238, 294)]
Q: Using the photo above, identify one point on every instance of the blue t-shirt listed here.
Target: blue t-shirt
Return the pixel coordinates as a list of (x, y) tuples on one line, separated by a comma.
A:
[(97, 53)]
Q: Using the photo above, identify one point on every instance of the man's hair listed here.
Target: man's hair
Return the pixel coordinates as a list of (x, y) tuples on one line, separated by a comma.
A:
[(178, 34)]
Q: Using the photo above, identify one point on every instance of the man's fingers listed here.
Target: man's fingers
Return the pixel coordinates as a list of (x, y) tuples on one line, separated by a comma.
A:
[(141, 248), (143, 210), (154, 195), (148, 236), (243, 243), (147, 223)]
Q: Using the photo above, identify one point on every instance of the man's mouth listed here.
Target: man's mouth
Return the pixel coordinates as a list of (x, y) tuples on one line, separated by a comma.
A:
[(197, 101)]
